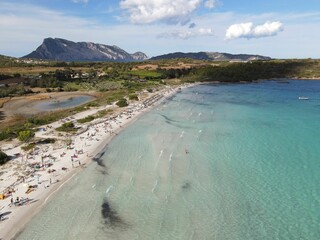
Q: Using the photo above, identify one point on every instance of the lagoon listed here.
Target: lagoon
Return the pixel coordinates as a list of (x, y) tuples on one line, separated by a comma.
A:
[(55, 104)]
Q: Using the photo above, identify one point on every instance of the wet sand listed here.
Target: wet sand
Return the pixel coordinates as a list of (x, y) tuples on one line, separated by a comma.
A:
[(26, 105)]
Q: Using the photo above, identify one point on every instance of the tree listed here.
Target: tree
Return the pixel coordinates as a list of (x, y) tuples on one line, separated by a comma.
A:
[(25, 136), (3, 158)]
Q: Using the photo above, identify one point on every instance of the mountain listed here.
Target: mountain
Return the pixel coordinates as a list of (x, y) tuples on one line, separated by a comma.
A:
[(64, 50), (215, 56)]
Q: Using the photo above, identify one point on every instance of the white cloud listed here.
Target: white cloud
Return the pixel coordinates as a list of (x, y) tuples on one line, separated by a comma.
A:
[(239, 30), (168, 11), (186, 34), (210, 4), (268, 29), (247, 30), (182, 34), (205, 31)]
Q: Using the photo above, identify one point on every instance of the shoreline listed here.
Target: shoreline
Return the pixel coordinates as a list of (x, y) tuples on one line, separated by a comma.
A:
[(19, 216)]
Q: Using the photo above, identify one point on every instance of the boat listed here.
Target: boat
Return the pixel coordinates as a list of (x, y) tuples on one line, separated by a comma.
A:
[(303, 98)]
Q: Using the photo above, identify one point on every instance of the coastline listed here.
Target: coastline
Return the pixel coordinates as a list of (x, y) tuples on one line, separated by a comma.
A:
[(19, 216)]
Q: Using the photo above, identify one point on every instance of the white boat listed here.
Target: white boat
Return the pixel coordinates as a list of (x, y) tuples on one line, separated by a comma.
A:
[(303, 98)]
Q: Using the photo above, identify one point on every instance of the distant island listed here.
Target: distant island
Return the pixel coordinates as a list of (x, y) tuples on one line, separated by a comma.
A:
[(64, 50), (213, 56)]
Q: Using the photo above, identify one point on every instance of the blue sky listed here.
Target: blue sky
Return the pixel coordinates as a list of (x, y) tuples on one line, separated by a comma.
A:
[(276, 28)]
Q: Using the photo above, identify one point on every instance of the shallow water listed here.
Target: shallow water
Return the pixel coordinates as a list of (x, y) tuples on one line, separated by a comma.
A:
[(53, 104), (236, 161)]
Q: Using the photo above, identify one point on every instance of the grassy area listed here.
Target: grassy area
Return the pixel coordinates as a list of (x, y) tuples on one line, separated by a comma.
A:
[(104, 113), (35, 69), (86, 119), (146, 73), (67, 127), (95, 85), (99, 114)]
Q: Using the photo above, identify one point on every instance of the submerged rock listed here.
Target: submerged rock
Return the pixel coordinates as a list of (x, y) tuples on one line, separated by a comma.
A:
[(110, 216)]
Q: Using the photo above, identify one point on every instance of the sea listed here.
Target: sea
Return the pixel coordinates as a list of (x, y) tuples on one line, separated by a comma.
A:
[(214, 161)]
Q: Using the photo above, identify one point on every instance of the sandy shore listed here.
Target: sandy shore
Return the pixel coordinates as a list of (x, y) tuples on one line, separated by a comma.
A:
[(33, 178)]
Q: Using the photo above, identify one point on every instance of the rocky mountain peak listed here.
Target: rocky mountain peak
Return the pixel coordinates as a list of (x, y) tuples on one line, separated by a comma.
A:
[(64, 50)]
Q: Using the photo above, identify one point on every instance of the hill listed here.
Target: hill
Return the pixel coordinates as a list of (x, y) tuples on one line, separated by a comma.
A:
[(215, 56), (64, 50)]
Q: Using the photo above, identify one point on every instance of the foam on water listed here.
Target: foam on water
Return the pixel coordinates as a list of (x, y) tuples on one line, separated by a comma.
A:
[(251, 171), (109, 189)]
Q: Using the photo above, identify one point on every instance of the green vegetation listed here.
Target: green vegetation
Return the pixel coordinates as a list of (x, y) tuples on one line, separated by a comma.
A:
[(250, 71), (47, 141), (67, 127), (103, 113), (12, 131), (122, 103), (146, 74), (14, 91), (99, 114), (86, 119), (133, 97), (3, 158), (26, 135), (28, 147)]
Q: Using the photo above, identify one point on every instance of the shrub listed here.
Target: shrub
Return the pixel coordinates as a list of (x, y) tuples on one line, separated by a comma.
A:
[(4, 135), (122, 103), (28, 147), (66, 127), (37, 120), (47, 141), (26, 135), (86, 119), (103, 113), (133, 97), (92, 104), (3, 158)]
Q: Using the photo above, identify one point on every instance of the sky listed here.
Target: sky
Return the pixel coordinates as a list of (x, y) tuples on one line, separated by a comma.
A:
[(275, 28)]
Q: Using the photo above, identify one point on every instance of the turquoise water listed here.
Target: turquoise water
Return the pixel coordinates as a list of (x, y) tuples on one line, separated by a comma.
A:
[(49, 105), (238, 161)]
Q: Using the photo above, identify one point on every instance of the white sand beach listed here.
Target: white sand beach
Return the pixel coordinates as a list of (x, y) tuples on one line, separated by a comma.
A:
[(29, 180)]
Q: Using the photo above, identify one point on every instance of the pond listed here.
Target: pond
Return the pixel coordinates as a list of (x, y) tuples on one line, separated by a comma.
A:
[(54, 104)]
